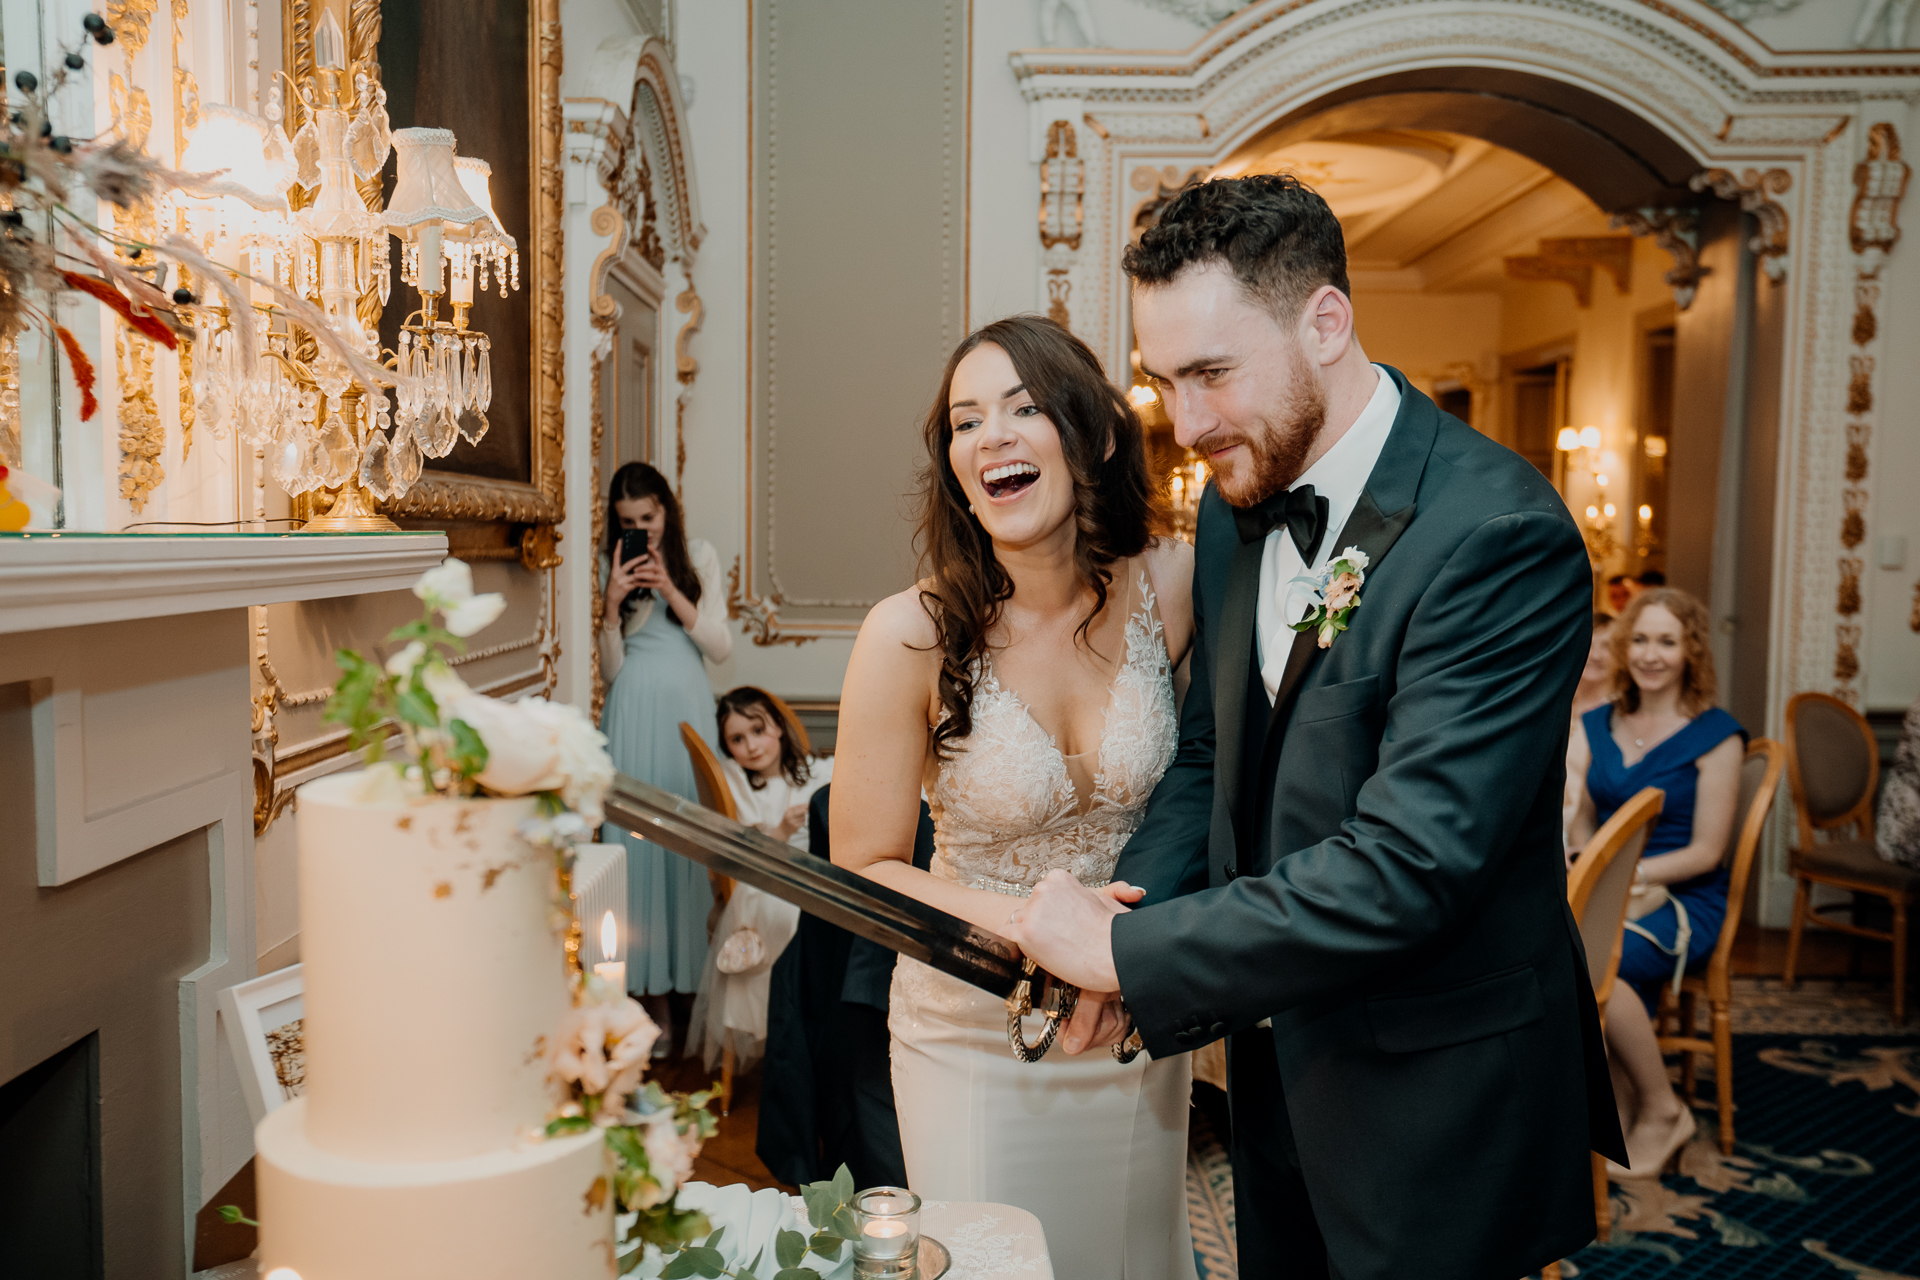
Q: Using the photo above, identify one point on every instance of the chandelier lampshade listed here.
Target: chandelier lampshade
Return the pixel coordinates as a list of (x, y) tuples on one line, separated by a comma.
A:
[(475, 177), (236, 141), (428, 191)]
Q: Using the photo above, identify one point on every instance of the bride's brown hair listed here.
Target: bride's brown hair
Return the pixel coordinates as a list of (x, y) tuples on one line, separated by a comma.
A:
[(1115, 509)]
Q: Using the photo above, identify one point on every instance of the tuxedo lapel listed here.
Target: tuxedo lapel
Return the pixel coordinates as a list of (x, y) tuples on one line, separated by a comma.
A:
[(1234, 661)]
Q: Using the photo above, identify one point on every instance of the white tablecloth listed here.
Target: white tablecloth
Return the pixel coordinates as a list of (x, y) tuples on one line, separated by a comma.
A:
[(988, 1240)]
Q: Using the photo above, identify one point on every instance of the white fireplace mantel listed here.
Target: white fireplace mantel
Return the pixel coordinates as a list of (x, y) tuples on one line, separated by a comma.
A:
[(74, 579)]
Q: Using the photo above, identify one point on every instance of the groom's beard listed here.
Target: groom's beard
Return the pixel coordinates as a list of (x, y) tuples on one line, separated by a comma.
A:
[(1277, 451)]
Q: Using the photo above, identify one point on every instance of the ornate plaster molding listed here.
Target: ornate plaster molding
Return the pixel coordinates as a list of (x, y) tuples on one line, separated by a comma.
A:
[(1754, 190), (1678, 232), (1572, 260), (686, 369)]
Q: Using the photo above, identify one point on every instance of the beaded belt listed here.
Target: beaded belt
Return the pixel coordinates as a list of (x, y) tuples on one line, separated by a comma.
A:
[(1012, 890)]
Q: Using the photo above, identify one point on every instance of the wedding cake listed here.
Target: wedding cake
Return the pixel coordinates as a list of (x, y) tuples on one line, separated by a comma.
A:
[(433, 980)]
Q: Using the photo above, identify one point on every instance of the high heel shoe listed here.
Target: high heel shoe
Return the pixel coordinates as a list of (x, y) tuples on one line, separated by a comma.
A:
[(1657, 1160)]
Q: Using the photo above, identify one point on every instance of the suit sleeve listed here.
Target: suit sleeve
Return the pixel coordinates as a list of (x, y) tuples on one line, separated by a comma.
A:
[(1167, 855), (1484, 673)]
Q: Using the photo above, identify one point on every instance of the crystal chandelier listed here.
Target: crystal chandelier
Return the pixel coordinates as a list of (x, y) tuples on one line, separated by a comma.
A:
[(306, 383)]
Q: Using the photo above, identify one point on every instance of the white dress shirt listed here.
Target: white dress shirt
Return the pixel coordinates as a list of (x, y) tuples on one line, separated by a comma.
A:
[(1339, 476)]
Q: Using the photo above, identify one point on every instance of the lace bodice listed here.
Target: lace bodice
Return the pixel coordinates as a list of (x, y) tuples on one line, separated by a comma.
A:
[(1009, 807)]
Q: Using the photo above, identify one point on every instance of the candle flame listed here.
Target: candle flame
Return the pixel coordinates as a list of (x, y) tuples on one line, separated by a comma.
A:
[(609, 936), (1646, 513), (283, 1273)]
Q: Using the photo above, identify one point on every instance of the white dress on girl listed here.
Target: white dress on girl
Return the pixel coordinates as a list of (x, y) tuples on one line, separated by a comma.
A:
[(1096, 1149), (732, 1006)]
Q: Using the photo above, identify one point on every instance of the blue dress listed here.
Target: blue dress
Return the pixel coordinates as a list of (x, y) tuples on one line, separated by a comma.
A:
[(1672, 766), (662, 681)]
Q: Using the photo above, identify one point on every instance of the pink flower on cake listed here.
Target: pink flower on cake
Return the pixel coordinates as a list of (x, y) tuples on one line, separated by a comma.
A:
[(602, 1049)]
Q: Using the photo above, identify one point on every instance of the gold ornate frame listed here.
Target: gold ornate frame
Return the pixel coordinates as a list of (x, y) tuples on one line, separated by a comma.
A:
[(496, 506)]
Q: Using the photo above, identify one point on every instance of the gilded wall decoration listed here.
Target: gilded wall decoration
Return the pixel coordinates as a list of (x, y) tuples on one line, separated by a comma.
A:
[(143, 432), (1063, 185), (1873, 228), (601, 305), (1678, 232), (685, 369)]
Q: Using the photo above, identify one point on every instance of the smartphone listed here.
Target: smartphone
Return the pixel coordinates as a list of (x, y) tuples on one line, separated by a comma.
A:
[(633, 545)]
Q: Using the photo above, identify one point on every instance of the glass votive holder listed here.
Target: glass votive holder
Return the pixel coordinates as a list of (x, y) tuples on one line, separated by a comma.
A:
[(888, 1245)]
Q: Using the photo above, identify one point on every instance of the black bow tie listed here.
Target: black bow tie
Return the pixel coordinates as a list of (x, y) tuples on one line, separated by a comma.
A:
[(1300, 509)]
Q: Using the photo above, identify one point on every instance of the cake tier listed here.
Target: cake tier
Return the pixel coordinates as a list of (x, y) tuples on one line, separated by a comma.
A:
[(541, 1210), (432, 974)]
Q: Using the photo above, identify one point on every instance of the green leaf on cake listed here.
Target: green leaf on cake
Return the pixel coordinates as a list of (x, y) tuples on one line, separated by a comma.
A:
[(415, 706), (789, 1247), (469, 751), (568, 1124)]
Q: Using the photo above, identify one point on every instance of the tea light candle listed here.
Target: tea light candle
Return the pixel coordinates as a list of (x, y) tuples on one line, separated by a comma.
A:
[(889, 1241), (884, 1238)]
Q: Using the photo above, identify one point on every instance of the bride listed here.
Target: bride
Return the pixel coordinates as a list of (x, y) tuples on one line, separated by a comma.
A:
[(1024, 685)]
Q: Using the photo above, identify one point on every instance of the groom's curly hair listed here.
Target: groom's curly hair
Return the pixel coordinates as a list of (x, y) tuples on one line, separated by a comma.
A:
[(1273, 231), (1117, 511)]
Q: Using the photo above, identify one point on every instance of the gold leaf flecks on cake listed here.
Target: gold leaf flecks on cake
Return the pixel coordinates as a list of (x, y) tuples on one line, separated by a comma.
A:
[(443, 890)]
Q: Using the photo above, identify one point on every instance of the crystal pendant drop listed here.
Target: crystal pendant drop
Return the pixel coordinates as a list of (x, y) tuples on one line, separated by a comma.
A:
[(375, 466), (437, 432), (404, 461), (337, 451), (473, 425)]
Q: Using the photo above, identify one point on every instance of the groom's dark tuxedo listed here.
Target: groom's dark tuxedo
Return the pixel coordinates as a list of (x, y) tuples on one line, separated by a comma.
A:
[(1372, 860)]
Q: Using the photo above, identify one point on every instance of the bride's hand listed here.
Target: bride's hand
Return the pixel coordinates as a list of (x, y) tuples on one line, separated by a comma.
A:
[(1098, 1019)]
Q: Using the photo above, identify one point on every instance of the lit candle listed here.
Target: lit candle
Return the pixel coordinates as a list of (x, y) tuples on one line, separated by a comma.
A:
[(884, 1238), (889, 1241), (610, 971)]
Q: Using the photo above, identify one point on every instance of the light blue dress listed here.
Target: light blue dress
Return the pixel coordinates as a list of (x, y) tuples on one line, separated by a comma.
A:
[(662, 682)]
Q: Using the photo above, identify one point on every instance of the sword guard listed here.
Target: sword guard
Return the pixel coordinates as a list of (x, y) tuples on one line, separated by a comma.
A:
[(1057, 1002)]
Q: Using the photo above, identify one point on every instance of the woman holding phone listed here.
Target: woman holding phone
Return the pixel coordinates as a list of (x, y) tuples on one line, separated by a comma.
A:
[(662, 612)]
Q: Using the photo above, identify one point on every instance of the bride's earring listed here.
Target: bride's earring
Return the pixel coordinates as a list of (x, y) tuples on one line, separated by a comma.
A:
[(971, 511)]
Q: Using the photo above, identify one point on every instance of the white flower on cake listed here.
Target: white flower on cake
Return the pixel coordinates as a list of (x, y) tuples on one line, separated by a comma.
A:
[(449, 590), (460, 742), (536, 745)]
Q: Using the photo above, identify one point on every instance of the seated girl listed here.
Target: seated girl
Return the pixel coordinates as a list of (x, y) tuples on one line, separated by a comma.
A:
[(1660, 729), (772, 779)]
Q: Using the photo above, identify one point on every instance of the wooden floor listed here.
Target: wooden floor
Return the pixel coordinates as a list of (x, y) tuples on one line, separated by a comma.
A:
[(1762, 953)]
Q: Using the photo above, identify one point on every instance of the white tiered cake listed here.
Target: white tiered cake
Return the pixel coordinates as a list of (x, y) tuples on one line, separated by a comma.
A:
[(432, 981)]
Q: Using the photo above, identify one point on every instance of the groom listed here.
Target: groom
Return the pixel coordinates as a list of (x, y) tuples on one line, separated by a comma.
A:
[(1352, 867)]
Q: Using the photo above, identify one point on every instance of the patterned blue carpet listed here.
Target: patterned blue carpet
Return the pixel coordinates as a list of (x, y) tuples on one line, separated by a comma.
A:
[(1824, 1182)]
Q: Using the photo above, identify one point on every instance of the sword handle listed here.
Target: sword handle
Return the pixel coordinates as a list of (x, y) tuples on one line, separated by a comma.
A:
[(1057, 1002)]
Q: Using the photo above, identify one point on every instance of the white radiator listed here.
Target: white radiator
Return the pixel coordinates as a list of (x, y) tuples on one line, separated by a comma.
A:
[(600, 886)]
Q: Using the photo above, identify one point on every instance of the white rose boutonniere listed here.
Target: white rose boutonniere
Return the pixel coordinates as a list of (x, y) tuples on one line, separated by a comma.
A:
[(1333, 595)]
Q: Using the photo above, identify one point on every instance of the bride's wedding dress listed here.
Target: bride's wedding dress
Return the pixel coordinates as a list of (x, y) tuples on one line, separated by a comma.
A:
[(1097, 1150)]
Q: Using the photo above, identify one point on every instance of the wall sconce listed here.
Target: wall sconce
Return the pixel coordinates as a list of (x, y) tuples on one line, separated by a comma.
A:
[(1644, 543), (1142, 396)]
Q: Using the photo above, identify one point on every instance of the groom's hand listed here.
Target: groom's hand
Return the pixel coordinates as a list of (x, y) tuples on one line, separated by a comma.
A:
[(1066, 929)]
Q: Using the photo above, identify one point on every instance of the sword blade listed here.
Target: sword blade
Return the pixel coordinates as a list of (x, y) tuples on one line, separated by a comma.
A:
[(816, 886)]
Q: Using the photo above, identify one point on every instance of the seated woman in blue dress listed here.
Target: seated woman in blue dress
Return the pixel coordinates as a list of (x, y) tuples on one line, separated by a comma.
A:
[(1662, 730)]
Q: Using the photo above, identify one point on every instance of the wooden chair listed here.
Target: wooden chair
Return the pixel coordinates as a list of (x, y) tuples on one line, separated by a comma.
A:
[(1759, 781), (716, 795), (1597, 892), (1833, 765)]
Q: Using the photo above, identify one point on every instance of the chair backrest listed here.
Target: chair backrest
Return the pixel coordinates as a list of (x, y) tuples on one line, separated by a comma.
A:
[(1601, 881), (1759, 783), (1833, 765), (714, 793)]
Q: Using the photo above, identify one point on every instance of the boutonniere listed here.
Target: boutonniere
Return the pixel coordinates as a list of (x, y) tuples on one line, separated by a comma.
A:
[(1334, 593)]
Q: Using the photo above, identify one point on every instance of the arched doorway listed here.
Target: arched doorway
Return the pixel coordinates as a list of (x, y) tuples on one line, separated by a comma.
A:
[(1493, 251), (1644, 109)]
